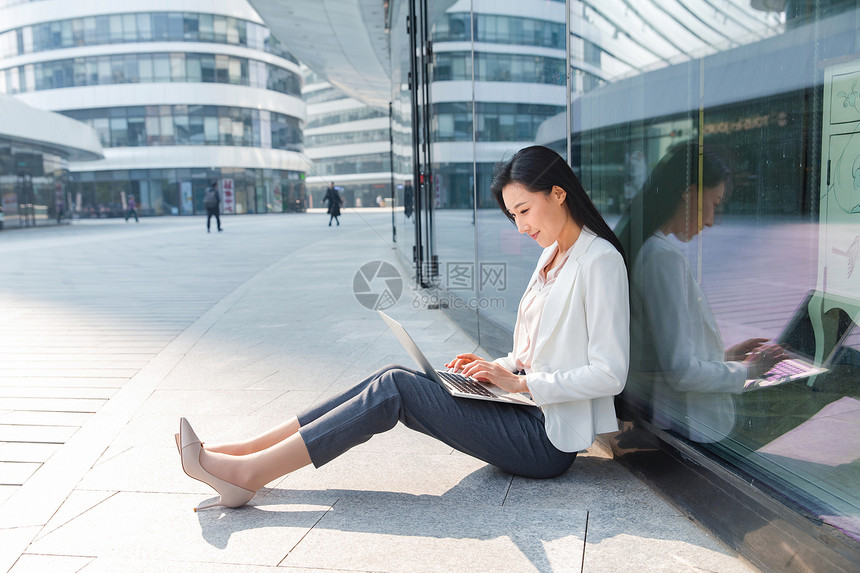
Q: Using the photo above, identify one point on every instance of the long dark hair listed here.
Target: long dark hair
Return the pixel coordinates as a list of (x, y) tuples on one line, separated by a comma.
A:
[(538, 169), (658, 199)]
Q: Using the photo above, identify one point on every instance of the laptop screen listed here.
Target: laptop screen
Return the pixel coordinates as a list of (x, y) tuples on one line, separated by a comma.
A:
[(798, 336)]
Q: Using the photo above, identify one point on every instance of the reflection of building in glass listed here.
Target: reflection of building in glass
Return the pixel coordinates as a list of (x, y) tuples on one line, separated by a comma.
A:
[(497, 95), (35, 147), (613, 40), (348, 142), (179, 96), (613, 46)]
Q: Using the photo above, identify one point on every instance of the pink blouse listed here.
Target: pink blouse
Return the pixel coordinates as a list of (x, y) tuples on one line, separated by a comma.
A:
[(530, 312)]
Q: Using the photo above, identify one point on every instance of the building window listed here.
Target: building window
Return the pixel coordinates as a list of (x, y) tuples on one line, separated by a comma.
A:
[(192, 125), (139, 27), (155, 67)]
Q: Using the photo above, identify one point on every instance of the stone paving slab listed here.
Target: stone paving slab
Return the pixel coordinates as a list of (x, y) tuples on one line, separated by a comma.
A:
[(668, 544), (37, 434), (77, 503), (34, 372), (30, 418), (54, 563), (16, 473), (394, 534), (61, 382), (49, 392), (112, 565), (12, 539), (444, 479), (144, 522), (26, 452), (51, 404)]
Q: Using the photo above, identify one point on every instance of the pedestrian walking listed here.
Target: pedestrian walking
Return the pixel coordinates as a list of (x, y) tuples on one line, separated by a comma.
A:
[(132, 209), (212, 202), (408, 199), (334, 201)]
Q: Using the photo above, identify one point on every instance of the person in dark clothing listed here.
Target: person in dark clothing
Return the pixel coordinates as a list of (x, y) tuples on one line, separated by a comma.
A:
[(334, 202), (132, 209), (408, 199), (212, 202)]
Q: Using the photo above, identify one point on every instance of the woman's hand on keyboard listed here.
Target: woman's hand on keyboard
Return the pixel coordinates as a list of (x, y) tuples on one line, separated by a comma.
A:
[(763, 359), (485, 371), (739, 351), (461, 361)]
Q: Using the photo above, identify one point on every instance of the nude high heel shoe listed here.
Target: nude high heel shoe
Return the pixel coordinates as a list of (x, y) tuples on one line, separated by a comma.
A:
[(178, 446), (231, 495)]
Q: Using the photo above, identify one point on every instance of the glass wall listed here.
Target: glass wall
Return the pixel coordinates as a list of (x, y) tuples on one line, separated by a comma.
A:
[(472, 107), (353, 193), (344, 116), (719, 140), (181, 191), (33, 186), (498, 29), (733, 183), (370, 163), (346, 138), (499, 68), (496, 121)]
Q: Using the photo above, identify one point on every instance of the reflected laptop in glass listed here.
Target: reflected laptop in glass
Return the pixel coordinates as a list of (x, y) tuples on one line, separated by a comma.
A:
[(456, 384), (798, 338)]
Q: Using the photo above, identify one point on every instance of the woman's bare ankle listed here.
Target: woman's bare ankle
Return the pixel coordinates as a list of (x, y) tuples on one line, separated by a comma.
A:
[(231, 449), (259, 443), (232, 469)]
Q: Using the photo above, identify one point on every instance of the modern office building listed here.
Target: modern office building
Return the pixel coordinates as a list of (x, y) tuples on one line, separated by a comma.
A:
[(623, 90), (180, 93), (349, 144), (35, 149)]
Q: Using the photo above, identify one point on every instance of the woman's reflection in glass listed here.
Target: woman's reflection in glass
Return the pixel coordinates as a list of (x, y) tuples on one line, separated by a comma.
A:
[(679, 363)]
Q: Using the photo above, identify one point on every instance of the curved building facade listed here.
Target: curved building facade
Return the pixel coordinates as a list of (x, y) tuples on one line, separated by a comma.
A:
[(498, 72), (349, 144), (180, 94)]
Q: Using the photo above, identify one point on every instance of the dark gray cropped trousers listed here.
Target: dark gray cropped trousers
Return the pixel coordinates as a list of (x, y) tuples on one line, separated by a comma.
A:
[(507, 436)]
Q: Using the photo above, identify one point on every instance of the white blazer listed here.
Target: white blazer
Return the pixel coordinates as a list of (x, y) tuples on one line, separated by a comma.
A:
[(677, 347), (582, 349)]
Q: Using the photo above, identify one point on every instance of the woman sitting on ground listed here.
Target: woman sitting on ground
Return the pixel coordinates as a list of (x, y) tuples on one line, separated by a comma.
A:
[(570, 354)]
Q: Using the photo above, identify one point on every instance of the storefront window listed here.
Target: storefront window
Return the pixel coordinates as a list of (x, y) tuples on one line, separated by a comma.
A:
[(181, 191), (33, 185)]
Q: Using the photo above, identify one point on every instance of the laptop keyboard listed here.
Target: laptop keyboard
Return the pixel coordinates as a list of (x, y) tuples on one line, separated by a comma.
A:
[(464, 384), (784, 369)]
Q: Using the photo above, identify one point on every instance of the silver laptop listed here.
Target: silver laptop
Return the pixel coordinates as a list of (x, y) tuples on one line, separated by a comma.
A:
[(799, 341), (456, 384)]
